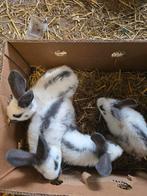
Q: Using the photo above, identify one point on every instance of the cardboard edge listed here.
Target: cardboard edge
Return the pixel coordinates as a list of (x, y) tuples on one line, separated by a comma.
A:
[(77, 41)]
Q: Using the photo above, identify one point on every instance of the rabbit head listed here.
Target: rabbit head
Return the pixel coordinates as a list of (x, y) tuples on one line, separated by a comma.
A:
[(46, 160), (110, 108), (22, 105)]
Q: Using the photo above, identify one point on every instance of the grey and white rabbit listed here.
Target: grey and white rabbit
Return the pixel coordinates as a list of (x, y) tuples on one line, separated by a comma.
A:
[(126, 124), (51, 117), (56, 82), (94, 151), (46, 160)]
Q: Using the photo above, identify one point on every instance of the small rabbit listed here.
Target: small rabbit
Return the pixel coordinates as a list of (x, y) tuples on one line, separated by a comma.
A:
[(48, 105), (56, 82), (51, 109), (82, 150), (47, 160), (126, 124)]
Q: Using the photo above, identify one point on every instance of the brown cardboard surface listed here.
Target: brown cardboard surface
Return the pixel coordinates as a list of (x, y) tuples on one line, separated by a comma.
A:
[(80, 55), (7, 136), (85, 54), (15, 59), (4, 88), (28, 180)]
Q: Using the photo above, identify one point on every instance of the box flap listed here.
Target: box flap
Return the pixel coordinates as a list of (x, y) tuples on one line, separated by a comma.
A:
[(105, 55)]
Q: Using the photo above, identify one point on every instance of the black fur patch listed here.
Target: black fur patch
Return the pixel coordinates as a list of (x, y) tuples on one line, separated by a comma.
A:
[(17, 115), (102, 109), (50, 114), (65, 92), (73, 127), (63, 74), (72, 147), (100, 142), (56, 165), (25, 100), (116, 113), (19, 158), (17, 83), (59, 76), (104, 166), (125, 103), (57, 181), (140, 133), (43, 150)]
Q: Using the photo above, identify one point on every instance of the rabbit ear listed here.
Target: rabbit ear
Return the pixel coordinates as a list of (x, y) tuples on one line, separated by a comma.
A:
[(115, 110), (104, 166), (17, 84), (126, 102), (25, 100), (42, 150), (116, 113), (19, 158), (100, 143)]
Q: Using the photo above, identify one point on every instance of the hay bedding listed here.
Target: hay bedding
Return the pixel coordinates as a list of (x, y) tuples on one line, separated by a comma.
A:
[(119, 85), (76, 19)]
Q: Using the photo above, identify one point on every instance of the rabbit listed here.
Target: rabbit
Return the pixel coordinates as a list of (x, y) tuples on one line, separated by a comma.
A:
[(51, 121), (94, 151), (47, 160), (56, 82), (127, 125), (50, 115)]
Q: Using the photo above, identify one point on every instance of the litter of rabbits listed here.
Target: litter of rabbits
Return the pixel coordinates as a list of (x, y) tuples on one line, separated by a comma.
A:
[(96, 84)]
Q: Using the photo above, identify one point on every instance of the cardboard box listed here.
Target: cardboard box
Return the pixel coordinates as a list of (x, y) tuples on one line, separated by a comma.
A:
[(86, 55)]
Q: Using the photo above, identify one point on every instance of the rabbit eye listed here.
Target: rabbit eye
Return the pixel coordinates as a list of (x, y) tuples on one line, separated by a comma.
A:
[(17, 115), (102, 108)]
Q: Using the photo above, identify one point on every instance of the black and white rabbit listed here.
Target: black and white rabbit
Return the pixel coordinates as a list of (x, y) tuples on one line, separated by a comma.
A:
[(46, 160), (56, 82), (94, 151), (126, 124), (50, 116)]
